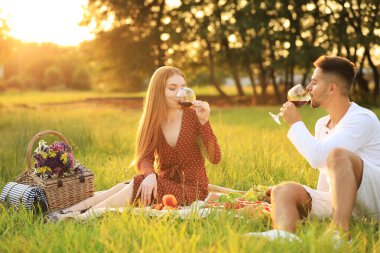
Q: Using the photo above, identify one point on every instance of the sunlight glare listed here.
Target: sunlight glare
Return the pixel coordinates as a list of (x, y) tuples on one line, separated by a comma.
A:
[(165, 36), (46, 21), (173, 3), (232, 38)]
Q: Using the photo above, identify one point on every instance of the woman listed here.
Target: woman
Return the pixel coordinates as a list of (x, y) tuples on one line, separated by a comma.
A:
[(174, 138), (169, 152)]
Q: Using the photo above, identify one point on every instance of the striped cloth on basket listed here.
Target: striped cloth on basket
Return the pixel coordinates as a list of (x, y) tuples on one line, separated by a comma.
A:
[(29, 196)]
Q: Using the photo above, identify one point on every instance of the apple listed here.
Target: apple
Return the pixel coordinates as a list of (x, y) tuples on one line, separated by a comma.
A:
[(169, 200)]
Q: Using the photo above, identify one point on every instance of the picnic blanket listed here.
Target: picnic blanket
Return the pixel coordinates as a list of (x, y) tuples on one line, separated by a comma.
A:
[(220, 199), (31, 197)]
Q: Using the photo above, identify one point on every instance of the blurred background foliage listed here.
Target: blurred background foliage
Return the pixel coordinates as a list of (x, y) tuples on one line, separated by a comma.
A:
[(265, 45)]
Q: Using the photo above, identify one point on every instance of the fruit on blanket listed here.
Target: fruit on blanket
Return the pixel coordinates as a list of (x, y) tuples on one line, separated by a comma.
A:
[(169, 200), (169, 208), (236, 205), (157, 206), (212, 197), (257, 210), (257, 192)]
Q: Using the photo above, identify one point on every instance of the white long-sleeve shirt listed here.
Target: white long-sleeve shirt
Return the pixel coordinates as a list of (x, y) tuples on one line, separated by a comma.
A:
[(358, 131)]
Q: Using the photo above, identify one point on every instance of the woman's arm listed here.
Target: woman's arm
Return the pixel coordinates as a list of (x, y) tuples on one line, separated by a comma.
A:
[(146, 165), (149, 184), (210, 143), (208, 138)]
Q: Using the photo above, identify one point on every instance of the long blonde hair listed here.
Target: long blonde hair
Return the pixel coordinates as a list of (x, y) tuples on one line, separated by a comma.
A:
[(154, 111)]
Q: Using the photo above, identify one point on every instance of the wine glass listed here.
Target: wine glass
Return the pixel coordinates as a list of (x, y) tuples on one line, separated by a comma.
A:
[(298, 95), (186, 96)]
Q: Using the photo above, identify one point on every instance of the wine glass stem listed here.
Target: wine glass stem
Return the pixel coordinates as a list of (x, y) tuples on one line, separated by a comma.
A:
[(276, 117)]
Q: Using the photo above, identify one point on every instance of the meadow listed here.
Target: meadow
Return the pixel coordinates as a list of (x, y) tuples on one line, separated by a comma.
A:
[(255, 151)]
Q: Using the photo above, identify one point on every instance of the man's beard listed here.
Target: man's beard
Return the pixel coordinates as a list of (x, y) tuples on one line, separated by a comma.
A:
[(314, 104)]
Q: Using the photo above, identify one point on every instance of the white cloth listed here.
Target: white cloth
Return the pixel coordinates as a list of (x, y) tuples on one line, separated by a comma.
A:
[(183, 213), (359, 132)]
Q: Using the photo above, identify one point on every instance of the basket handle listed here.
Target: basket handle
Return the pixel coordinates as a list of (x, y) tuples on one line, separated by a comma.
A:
[(33, 140)]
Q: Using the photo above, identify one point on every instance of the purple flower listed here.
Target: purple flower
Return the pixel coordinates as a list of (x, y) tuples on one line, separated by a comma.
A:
[(58, 157), (71, 159), (58, 146)]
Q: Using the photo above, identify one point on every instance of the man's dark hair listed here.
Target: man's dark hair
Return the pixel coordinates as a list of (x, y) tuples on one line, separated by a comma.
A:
[(339, 66)]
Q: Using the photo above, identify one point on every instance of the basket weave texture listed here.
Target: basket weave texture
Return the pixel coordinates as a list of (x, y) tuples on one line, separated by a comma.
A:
[(61, 192)]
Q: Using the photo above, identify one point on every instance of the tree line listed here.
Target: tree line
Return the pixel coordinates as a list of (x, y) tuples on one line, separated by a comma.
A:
[(272, 44)]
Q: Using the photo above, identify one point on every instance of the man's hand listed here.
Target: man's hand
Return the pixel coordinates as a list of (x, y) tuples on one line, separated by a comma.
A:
[(147, 186), (290, 113)]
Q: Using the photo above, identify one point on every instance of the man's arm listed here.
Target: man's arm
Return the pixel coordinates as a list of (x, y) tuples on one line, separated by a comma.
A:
[(352, 134)]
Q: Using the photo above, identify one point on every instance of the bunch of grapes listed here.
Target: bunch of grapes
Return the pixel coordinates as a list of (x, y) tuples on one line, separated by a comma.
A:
[(258, 193), (258, 197)]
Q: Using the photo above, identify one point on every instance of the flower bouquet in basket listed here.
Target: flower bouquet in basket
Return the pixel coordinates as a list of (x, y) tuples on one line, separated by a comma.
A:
[(56, 160), (64, 180)]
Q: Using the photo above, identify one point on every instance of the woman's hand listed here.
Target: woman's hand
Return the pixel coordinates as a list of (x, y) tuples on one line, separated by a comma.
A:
[(202, 110), (147, 186)]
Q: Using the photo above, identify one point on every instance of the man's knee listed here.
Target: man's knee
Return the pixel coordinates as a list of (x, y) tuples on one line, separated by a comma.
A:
[(337, 156), (292, 194), (287, 191), (340, 160)]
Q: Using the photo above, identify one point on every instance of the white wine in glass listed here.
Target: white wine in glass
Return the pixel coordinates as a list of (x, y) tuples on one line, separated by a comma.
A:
[(186, 97), (298, 95)]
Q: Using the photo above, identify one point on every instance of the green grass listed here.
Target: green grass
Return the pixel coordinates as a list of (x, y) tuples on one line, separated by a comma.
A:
[(255, 150), (36, 97)]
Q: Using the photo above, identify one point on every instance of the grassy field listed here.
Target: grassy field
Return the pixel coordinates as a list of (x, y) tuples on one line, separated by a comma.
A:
[(35, 97), (255, 151)]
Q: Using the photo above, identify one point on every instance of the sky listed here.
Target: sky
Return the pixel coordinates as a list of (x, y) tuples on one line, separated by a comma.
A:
[(55, 21)]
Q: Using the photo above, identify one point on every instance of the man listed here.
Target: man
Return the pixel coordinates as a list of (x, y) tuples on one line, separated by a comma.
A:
[(345, 149)]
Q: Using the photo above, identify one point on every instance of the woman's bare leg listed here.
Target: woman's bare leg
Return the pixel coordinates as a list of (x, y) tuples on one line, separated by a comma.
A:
[(97, 198), (120, 199)]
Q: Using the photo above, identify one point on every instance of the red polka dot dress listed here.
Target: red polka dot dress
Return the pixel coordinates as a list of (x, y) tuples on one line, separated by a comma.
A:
[(181, 170)]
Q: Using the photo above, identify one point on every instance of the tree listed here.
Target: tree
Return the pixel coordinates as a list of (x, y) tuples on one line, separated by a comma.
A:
[(199, 44), (353, 32), (5, 48), (133, 46), (271, 42), (81, 79), (53, 78)]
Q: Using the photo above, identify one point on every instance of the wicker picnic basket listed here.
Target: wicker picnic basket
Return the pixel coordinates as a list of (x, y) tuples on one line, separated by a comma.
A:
[(61, 192)]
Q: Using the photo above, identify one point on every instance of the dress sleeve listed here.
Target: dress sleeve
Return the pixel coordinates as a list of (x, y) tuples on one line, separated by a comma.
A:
[(352, 135), (146, 165), (210, 142)]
